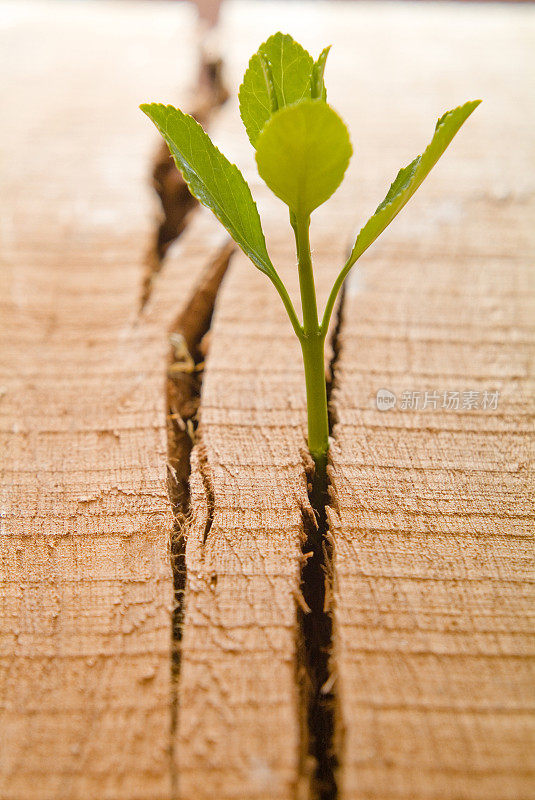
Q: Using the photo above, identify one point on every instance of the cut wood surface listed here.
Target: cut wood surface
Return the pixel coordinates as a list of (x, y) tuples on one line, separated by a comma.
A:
[(433, 509), (86, 586), (430, 515), (242, 670), (239, 635)]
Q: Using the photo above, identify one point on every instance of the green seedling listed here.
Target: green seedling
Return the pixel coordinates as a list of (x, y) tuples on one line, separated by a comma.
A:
[(302, 152)]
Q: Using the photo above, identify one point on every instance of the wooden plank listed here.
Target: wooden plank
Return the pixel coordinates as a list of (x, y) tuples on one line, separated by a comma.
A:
[(235, 677), (239, 654), (433, 513), (86, 582), (85, 694), (243, 557), (241, 665)]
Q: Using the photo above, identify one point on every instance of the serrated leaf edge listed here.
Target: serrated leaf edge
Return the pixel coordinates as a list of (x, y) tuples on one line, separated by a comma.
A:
[(266, 67), (317, 76), (242, 88), (266, 267), (440, 123), (355, 251)]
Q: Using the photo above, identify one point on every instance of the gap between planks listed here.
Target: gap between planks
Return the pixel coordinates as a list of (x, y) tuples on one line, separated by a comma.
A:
[(313, 616)]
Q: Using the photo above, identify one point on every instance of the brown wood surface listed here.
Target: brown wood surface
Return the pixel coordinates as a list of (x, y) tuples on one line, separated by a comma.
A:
[(86, 586), (241, 663), (241, 669), (433, 509), (429, 510)]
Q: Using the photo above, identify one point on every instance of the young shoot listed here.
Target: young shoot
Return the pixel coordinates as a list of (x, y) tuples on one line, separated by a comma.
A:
[(302, 152)]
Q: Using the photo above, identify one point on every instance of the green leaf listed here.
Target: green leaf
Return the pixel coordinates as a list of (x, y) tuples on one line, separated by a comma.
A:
[(279, 74), (303, 153), (257, 97), (291, 68), (213, 180), (317, 84), (409, 179)]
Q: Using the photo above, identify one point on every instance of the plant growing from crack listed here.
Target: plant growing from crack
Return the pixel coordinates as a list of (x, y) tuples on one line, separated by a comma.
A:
[(302, 152)]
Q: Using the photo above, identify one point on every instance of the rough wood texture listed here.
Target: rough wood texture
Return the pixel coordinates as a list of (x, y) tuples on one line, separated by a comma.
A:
[(243, 557), (240, 671), (433, 527), (431, 615), (241, 665), (86, 586)]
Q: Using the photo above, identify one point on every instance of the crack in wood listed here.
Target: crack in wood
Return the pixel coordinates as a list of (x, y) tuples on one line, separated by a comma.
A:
[(319, 747), (208, 486), (185, 364), (184, 380), (177, 203)]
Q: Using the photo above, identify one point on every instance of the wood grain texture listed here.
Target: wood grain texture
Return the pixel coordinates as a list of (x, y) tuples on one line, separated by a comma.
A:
[(86, 586), (240, 665), (239, 672), (239, 669), (432, 521), (433, 509)]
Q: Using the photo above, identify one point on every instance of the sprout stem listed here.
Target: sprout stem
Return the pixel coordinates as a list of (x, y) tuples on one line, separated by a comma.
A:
[(312, 346)]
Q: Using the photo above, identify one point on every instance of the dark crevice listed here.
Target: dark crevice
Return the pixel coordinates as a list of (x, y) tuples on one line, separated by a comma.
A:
[(189, 345), (208, 486), (315, 620), (187, 337), (177, 203)]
